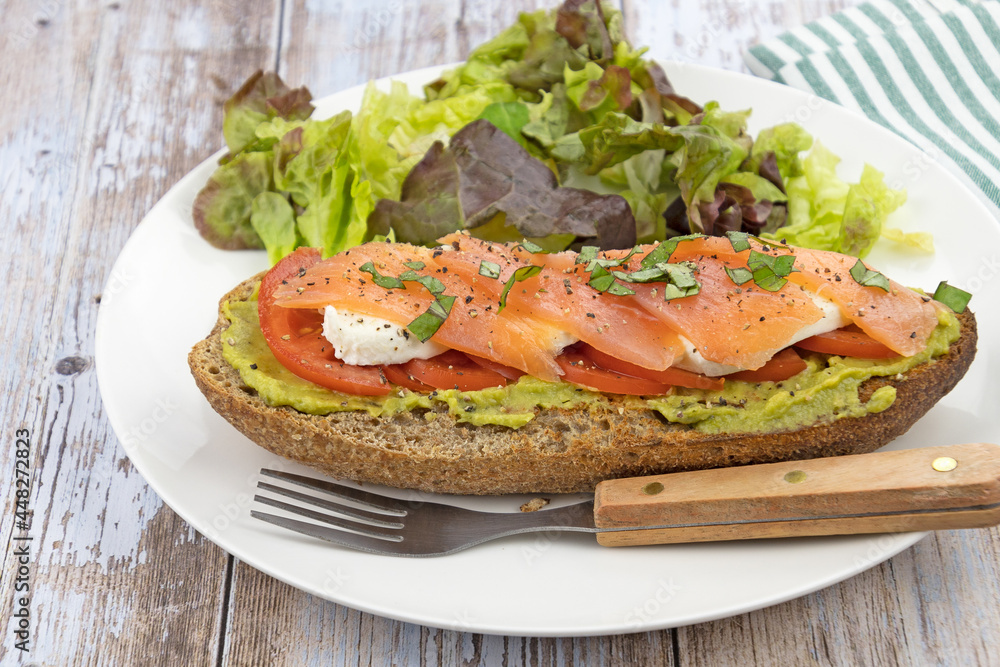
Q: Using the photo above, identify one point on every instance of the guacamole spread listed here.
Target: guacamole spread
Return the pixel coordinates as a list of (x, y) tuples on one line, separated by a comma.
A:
[(826, 390)]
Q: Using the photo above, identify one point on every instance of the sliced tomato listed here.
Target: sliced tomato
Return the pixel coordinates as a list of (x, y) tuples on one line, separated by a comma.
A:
[(847, 342), (579, 369), (397, 374), (672, 376), (782, 366), (452, 370), (295, 336), (508, 372)]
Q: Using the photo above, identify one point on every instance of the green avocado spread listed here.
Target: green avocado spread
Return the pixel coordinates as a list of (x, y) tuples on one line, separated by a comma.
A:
[(825, 391)]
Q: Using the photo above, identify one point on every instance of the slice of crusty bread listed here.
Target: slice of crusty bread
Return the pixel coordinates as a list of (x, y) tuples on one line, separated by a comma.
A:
[(559, 451)]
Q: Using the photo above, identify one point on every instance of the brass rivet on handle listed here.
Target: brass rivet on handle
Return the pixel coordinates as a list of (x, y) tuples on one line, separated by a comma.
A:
[(795, 477), (652, 488), (944, 464)]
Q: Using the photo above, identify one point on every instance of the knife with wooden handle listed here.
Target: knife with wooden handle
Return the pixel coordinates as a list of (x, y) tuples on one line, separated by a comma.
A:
[(936, 488)]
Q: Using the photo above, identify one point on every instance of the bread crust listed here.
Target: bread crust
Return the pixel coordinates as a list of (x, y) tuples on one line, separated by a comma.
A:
[(559, 451)]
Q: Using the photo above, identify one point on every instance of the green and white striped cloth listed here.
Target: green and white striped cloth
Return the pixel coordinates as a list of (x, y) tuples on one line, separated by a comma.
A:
[(927, 69)]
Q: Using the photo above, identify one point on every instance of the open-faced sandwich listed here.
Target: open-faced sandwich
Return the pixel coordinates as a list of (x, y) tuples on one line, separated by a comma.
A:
[(487, 368)]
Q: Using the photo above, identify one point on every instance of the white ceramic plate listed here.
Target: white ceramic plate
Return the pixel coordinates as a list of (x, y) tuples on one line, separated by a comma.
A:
[(162, 298)]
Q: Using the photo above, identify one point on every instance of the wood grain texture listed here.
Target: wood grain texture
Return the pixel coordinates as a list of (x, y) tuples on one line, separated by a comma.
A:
[(717, 32), (108, 104)]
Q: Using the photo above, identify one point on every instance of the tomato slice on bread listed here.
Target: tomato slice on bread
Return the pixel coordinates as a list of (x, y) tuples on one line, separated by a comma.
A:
[(295, 336), (508, 372), (451, 370), (580, 369), (671, 376), (397, 374), (849, 341), (782, 366)]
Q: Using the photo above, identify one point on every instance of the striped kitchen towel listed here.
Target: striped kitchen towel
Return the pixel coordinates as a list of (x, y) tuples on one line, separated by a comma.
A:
[(927, 69)]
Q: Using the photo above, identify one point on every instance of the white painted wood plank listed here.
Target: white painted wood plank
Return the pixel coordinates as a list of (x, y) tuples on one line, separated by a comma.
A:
[(97, 126), (717, 32)]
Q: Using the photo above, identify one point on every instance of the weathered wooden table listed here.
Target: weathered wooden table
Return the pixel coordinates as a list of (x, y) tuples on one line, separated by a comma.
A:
[(104, 106)]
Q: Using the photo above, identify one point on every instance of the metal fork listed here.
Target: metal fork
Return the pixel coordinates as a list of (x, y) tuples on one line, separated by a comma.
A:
[(382, 525), (956, 486)]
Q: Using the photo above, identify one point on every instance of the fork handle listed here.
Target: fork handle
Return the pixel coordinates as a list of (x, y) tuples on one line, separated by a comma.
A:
[(935, 488)]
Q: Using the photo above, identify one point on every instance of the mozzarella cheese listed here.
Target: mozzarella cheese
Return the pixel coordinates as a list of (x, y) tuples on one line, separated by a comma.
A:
[(363, 340)]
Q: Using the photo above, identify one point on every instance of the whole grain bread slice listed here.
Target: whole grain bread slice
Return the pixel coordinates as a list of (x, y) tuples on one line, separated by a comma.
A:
[(560, 451)]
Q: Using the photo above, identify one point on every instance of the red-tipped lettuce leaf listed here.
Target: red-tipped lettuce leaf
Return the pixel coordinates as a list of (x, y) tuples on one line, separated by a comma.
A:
[(486, 173), (582, 24), (222, 209), (263, 96)]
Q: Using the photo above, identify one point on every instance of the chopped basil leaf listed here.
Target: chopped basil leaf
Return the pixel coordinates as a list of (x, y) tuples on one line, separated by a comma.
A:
[(658, 255), (682, 275), (588, 254), (784, 265), (533, 248), (601, 282), (619, 290), (951, 296), (650, 275), (662, 252), (781, 265), (523, 273), (739, 275), (868, 278), (671, 292), (388, 282), (416, 266), (433, 285), (739, 241), (621, 275), (680, 280), (769, 272), (427, 323), (489, 269), (766, 279)]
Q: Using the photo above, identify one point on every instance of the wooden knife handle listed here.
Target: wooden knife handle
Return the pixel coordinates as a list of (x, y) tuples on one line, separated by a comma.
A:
[(957, 486)]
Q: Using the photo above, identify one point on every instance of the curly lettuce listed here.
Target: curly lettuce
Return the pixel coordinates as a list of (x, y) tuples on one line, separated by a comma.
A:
[(590, 113)]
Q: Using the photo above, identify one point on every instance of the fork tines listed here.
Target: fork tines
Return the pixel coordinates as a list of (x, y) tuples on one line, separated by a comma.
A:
[(365, 514)]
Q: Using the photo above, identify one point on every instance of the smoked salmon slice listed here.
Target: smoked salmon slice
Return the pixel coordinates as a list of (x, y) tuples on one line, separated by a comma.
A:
[(729, 324), (473, 325), (560, 293), (735, 324), (900, 318)]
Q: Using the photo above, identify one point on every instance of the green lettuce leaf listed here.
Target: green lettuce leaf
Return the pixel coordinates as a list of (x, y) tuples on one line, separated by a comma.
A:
[(618, 137), (508, 117), (306, 157), (707, 156), (262, 97), (785, 141), (919, 241), (597, 91), (869, 203), (827, 213), (273, 219), (547, 119), (762, 189), (731, 123)]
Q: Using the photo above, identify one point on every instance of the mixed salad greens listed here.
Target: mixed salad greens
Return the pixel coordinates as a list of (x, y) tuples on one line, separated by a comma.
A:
[(557, 130)]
